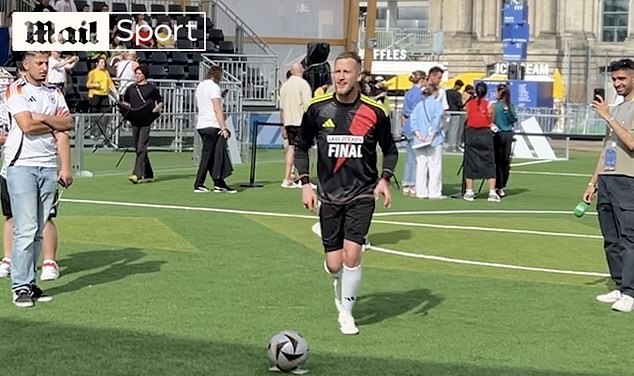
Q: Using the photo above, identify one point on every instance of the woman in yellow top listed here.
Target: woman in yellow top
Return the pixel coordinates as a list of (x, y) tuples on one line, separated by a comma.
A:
[(99, 84), (165, 39)]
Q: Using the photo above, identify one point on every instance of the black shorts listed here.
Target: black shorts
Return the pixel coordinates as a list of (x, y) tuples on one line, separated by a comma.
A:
[(347, 221), (291, 133), (5, 200)]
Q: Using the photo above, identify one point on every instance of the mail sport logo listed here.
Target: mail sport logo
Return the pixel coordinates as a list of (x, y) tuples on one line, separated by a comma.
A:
[(92, 31)]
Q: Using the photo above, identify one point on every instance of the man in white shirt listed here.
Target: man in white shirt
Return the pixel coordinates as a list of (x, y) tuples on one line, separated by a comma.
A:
[(295, 94), (125, 71), (212, 128), (58, 68), (434, 78), (39, 114)]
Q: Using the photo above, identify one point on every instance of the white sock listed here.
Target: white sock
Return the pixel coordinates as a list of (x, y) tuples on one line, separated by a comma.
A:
[(492, 192), (336, 276), (469, 191), (350, 282)]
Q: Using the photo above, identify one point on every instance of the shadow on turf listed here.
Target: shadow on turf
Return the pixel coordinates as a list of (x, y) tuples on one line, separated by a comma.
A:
[(93, 351), (374, 308), (118, 265), (390, 237), (451, 189)]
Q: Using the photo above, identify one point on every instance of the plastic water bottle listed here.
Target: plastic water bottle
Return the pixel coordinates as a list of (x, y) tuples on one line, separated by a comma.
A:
[(610, 157), (581, 209)]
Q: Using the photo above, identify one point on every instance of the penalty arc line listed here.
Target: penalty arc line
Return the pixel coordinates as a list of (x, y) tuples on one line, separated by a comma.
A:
[(316, 230)]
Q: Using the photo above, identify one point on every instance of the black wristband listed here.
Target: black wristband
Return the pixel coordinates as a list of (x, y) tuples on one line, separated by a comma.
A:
[(386, 175), (304, 180)]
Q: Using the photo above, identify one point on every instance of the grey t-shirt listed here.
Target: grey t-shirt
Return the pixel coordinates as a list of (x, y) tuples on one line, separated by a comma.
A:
[(624, 115)]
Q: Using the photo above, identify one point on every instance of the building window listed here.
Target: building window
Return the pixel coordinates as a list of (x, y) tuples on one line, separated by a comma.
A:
[(615, 17)]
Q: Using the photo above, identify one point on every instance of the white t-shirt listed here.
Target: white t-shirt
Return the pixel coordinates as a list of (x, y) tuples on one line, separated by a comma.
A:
[(205, 92), (125, 74), (442, 98), (55, 75), (27, 149), (295, 94), (65, 6)]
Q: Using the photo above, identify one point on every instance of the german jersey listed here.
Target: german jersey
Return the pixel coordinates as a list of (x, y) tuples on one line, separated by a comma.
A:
[(347, 135), (32, 149)]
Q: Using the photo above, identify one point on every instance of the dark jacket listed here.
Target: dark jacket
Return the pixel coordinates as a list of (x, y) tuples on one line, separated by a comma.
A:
[(222, 162), (142, 100)]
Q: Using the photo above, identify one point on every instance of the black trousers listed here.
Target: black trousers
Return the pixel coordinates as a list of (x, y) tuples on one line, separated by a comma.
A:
[(141, 140), (210, 138), (98, 105), (616, 218), (502, 144)]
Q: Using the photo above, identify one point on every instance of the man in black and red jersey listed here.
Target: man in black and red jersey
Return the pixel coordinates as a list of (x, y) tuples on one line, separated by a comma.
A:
[(347, 127)]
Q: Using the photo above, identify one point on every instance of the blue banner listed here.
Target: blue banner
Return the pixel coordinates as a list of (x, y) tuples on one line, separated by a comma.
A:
[(515, 51), (515, 33), (529, 94), (515, 14)]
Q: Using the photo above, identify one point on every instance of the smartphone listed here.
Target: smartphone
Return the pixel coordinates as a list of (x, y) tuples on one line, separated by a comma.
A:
[(599, 92)]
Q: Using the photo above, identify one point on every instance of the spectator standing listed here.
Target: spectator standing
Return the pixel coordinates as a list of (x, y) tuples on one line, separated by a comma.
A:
[(479, 157), (213, 130), (44, 6), (428, 134), (504, 117), (65, 6), (294, 96), (411, 99), (456, 120)]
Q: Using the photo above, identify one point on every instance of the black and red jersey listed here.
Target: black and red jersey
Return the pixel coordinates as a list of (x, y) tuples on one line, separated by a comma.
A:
[(347, 135)]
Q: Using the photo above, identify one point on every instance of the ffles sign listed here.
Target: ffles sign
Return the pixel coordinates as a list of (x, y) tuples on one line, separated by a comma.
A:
[(90, 31)]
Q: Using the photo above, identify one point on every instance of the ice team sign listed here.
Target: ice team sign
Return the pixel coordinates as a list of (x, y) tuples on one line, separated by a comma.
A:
[(91, 31)]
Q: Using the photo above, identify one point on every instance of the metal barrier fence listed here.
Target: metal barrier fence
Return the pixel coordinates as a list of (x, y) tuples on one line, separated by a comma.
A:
[(259, 75), (109, 131), (411, 39)]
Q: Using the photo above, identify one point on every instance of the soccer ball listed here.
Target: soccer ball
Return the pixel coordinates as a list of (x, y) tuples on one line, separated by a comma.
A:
[(288, 350)]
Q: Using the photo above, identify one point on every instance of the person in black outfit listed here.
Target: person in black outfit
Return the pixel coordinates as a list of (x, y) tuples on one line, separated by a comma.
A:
[(43, 6), (347, 126), (456, 120), (142, 104)]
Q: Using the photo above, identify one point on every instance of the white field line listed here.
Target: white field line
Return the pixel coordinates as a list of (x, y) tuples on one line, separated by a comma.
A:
[(490, 229), (316, 230), (547, 173), (530, 163), (284, 215), (475, 211)]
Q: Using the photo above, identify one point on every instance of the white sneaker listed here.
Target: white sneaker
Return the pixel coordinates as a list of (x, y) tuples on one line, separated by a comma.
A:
[(5, 268), (288, 184), (201, 189), (493, 197), (50, 271), (609, 298), (337, 289), (346, 324), (469, 196), (625, 304)]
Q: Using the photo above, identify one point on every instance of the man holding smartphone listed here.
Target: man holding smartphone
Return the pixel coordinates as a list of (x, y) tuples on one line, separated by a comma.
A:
[(613, 183)]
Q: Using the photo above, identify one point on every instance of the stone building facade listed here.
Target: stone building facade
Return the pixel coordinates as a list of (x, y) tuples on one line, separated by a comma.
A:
[(578, 37)]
